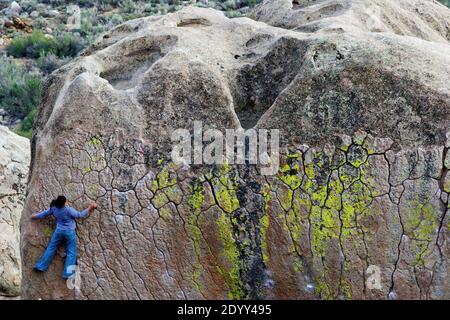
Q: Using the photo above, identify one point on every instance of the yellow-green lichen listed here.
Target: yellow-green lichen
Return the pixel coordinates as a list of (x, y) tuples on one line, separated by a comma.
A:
[(231, 252), (264, 221), (196, 199), (420, 224), (289, 174), (159, 199), (47, 231), (165, 213), (264, 226), (447, 183), (95, 141), (345, 289), (355, 201), (323, 290), (225, 187), (165, 178), (330, 199), (286, 199), (294, 225), (174, 193), (265, 191), (227, 199)]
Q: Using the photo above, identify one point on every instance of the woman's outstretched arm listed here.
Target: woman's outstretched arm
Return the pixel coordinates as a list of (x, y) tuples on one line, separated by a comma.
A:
[(76, 214), (41, 215)]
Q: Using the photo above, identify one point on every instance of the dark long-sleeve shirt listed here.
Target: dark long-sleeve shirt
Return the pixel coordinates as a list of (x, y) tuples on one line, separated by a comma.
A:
[(65, 217)]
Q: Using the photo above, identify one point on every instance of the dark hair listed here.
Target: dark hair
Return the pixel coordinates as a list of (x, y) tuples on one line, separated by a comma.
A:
[(53, 204), (59, 202)]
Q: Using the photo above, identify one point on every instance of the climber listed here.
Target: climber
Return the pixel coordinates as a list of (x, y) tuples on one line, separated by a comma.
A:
[(65, 230)]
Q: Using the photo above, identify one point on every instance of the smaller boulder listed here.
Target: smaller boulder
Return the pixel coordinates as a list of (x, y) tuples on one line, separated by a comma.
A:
[(53, 13), (15, 8)]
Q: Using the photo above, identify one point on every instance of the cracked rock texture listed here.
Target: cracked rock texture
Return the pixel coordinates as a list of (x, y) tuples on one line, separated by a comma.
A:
[(363, 182), (14, 163)]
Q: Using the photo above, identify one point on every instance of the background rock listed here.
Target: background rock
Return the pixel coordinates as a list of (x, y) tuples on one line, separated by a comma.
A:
[(14, 162), (15, 8), (367, 192)]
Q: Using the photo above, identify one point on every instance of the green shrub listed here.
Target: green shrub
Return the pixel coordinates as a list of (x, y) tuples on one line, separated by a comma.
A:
[(230, 5), (20, 91), (233, 14), (129, 6), (37, 44), (114, 20), (47, 64), (26, 129), (68, 44), (29, 46), (4, 4), (109, 2), (40, 23), (92, 24), (28, 5)]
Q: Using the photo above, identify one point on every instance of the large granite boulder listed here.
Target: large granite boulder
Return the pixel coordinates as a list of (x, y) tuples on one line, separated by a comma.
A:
[(14, 163), (357, 209)]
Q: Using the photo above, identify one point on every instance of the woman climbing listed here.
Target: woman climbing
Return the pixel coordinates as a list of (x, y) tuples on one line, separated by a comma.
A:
[(65, 230)]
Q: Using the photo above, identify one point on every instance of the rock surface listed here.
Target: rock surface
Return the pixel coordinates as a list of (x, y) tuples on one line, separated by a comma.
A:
[(14, 163), (358, 209), (425, 19), (15, 8)]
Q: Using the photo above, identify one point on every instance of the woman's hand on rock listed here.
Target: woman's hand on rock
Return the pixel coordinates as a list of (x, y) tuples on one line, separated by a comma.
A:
[(92, 207)]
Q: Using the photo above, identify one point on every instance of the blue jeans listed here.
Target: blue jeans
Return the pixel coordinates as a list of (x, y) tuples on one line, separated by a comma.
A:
[(58, 236)]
